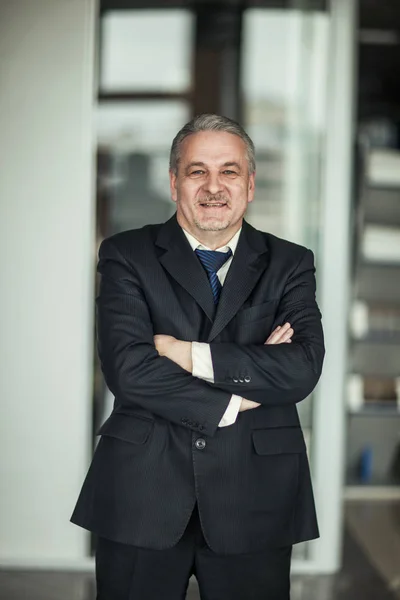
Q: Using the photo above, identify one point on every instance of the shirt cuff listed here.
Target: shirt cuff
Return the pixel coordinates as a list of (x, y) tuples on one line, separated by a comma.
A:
[(231, 413), (202, 362)]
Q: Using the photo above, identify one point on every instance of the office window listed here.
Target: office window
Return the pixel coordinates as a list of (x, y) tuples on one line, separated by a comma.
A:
[(146, 50)]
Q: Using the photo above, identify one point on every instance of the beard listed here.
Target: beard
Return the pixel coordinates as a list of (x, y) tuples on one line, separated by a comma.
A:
[(216, 223)]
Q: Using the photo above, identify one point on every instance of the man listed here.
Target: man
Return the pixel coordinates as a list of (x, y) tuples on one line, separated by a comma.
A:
[(208, 335)]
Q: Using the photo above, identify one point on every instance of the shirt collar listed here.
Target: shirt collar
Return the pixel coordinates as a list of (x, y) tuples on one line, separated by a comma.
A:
[(233, 242)]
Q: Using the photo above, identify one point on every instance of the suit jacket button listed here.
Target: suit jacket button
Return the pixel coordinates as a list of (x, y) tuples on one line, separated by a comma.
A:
[(247, 379), (235, 380), (200, 444), (241, 380)]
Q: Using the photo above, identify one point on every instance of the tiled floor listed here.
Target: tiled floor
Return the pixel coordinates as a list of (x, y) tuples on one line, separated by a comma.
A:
[(362, 576)]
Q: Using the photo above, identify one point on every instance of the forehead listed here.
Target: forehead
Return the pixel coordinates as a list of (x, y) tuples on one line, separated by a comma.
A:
[(213, 146)]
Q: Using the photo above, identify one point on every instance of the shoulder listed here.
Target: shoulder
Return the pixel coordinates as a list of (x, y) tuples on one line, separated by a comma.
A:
[(281, 245), (294, 258), (285, 258), (279, 248), (130, 243)]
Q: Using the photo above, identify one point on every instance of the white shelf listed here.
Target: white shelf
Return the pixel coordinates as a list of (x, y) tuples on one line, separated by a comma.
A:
[(383, 168), (371, 492), (375, 412)]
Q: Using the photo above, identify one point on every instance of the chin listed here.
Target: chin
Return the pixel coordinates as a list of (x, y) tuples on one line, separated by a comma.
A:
[(212, 225)]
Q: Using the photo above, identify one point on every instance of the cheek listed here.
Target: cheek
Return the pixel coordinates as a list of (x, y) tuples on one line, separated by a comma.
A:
[(188, 193), (192, 191), (239, 192)]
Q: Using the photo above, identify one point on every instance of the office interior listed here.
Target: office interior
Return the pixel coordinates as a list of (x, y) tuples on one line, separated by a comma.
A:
[(93, 93)]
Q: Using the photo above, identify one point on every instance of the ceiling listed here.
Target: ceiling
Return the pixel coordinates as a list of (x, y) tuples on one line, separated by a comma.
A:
[(127, 4)]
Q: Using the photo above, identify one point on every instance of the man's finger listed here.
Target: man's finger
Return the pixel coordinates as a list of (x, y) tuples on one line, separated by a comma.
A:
[(275, 335), (280, 335), (280, 338), (287, 335)]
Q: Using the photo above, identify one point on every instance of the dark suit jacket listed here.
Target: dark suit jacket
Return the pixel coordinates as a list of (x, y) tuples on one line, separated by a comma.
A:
[(251, 479)]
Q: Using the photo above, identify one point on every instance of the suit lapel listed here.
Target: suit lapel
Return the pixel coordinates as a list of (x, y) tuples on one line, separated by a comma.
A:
[(248, 263), (183, 265)]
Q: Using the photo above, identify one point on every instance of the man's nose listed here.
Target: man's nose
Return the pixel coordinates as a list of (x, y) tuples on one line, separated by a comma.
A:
[(213, 184)]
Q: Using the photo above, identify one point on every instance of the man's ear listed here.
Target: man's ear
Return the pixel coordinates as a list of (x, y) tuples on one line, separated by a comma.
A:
[(251, 187), (172, 185)]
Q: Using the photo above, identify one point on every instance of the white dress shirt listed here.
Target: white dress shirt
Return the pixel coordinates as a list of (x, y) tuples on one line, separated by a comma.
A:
[(201, 353)]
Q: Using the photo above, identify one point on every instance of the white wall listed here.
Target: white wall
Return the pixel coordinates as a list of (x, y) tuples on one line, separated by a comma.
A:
[(46, 274)]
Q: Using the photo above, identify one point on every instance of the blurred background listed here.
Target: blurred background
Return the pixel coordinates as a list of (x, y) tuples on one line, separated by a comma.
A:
[(91, 95)]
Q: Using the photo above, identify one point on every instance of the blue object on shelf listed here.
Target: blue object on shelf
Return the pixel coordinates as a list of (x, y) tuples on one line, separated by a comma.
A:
[(366, 464)]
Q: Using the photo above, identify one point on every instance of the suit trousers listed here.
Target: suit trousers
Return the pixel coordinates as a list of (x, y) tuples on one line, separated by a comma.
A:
[(125, 572)]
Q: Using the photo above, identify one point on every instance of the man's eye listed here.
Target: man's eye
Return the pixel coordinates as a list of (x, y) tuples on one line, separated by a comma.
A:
[(198, 172), (229, 172)]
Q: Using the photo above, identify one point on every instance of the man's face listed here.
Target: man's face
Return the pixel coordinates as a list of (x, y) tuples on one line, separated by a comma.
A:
[(213, 186)]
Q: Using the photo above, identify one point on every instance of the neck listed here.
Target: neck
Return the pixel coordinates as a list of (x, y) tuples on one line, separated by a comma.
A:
[(211, 239)]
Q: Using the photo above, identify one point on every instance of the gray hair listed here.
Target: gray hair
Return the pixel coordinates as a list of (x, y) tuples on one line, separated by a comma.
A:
[(210, 122)]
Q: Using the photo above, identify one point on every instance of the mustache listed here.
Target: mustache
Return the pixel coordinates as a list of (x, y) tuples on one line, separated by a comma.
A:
[(213, 199)]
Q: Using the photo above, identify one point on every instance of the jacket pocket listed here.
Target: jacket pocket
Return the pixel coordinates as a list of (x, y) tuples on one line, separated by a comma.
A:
[(280, 440), (128, 428)]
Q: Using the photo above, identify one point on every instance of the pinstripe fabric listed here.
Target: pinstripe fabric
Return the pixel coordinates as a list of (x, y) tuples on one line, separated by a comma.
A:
[(212, 261), (161, 449)]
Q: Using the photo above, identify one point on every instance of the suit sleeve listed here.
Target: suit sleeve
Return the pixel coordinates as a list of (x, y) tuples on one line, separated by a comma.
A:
[(203, 369), (283, 373), (133, 370)]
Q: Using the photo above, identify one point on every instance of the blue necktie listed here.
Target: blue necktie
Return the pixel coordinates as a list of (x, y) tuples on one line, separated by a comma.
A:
[(212, 261)]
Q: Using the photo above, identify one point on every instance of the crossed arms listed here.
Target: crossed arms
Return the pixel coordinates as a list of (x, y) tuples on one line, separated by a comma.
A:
[(180, 352), (137, 374)]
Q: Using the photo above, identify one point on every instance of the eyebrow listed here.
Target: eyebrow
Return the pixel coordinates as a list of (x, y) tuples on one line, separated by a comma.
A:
[(231, 164), (195, 164), (202, 164)]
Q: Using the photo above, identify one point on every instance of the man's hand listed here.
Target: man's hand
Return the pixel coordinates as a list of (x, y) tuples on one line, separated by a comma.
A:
[(176, 350), (280, 335), (248, 405)]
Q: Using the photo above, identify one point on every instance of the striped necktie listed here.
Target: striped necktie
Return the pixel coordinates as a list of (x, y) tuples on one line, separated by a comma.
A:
[(212, 261)]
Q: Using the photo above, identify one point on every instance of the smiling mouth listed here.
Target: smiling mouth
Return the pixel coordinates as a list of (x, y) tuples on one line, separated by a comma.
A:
[(213, 205)]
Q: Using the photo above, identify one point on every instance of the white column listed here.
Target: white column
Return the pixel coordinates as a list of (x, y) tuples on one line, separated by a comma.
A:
[(334, 284), (295, 142), (46, 275)]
